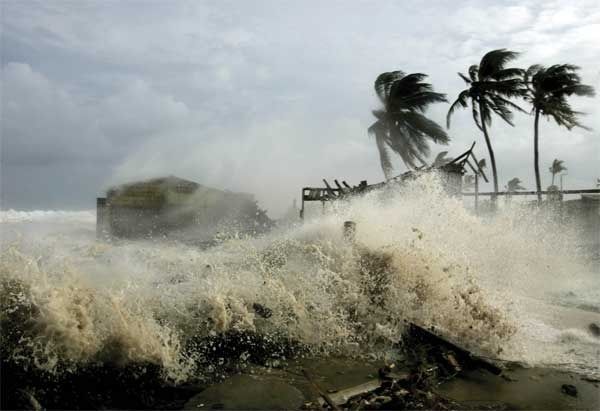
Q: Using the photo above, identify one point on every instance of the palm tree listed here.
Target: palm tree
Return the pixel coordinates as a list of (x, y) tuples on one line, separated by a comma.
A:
[(490, 86), (557, 167), (547, 91), (469, 182), (513, 185), (401, 124)]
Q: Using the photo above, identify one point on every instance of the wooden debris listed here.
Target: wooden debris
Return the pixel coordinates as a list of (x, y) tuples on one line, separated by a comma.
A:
[(343, 396), (318, 389), (462, 354), (452, 362), (569, 390)]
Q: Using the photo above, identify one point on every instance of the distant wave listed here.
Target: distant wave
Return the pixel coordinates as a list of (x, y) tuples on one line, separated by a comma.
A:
[(17, 216)]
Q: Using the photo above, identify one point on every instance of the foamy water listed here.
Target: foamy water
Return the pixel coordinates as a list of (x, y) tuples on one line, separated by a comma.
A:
[(505, 287)]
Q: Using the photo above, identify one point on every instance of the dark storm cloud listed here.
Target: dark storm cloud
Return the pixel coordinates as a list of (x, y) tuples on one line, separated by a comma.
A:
[(256, 96)]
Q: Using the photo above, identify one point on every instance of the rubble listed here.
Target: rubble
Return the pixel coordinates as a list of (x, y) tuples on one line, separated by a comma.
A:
[(569, 390), (429, 361)]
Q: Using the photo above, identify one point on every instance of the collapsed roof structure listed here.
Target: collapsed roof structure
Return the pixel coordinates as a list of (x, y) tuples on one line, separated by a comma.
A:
[(451, 174)]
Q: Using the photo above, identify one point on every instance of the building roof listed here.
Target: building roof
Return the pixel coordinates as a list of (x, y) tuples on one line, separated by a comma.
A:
[(179, 184)]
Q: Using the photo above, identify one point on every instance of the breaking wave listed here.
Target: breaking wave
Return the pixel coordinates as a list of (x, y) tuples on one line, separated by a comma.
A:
[(56, 216), (419, 255)]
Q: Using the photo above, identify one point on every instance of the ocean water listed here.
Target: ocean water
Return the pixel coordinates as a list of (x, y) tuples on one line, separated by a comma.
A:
[(514, 287)]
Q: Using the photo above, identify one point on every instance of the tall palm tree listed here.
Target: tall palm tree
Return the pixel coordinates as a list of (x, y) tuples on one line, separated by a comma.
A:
[(490, 86), (557, 167), (401, 124), (547, 91)]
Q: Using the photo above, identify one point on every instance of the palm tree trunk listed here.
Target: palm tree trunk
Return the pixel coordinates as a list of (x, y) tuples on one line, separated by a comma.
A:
[(536, 156), (491, 152), (553, 175)]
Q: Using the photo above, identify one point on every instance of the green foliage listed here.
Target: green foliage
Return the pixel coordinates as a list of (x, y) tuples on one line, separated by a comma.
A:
[(490, 86), (548, 89), (401, 124)]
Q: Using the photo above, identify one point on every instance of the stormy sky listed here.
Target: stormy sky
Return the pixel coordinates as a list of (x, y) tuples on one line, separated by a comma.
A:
[(260, 96)]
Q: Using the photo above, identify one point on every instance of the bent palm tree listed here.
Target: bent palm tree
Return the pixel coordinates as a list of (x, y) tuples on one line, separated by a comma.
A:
[(557, 167), (490, 86), (547, 91), (401, 124), (513, 185)]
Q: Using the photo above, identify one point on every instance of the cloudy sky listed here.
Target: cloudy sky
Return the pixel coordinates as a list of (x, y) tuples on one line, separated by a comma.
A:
[(259, 96)]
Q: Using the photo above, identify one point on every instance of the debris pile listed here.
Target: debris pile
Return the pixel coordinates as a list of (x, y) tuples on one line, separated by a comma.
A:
[(411, 384)]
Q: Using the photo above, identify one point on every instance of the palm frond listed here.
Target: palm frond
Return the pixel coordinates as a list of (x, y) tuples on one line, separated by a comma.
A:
[(494, 61), (476, 115), (509, 73), (377, 130), (428, 128), (474, 72), (418, 100), (384, 81), (557, 166), (402, 126), (461, 100), (514, 185), (549, 88), (465, 78)]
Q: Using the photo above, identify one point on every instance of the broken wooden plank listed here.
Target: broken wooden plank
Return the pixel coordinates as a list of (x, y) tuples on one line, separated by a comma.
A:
[(337, 183), (343, 396), (329, 189), (318, 389)]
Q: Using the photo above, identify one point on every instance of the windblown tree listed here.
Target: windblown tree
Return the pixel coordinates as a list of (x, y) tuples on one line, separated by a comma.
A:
[(401, 125), (513, 185), (548, 90), (556, 168), (490, 87)]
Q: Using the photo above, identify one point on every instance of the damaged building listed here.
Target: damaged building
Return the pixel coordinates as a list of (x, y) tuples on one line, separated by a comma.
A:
[(172, 207)]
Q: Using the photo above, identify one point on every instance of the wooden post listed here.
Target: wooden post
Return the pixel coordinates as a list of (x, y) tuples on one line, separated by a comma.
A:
[(476, 194), (350, 231)]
